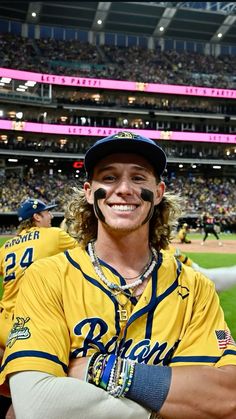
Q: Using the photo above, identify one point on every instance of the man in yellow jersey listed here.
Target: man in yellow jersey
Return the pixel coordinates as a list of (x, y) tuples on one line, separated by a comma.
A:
[(136, 330), (182, 234), (34, 240)]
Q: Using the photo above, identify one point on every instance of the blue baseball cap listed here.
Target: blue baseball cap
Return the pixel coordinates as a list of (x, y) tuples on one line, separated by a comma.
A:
[(31, 206), (126, 142)]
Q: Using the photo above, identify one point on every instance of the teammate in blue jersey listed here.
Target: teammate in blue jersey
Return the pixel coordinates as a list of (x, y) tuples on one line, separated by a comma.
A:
[(115, 327)]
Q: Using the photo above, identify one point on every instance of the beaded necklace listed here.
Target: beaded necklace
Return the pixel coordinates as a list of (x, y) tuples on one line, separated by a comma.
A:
[(121, 288)]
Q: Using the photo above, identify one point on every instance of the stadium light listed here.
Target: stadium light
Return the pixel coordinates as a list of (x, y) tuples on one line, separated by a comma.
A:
[(33, 14), (30, 83), (13, 160), (219, 35), (161, 29), (6, 80), (99, 21), (216, 167)]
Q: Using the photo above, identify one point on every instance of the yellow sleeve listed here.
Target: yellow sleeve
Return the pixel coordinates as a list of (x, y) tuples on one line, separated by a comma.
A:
[(39, 339), (185, 259), (66, 241), (206, 339), (1, 260)]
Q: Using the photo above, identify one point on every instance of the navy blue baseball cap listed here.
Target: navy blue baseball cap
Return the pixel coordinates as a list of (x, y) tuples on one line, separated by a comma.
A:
[(126, 142), (31, 206)]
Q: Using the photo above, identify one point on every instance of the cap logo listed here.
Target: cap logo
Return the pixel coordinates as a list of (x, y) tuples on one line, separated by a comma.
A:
[(125, 134), (35, 204)]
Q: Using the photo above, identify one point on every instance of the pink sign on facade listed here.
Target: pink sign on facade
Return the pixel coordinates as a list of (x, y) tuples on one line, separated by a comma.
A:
[(105, 131), (119, 84)]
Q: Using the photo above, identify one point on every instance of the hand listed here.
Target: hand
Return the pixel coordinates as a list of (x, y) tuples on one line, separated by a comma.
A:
[(77, 368), (10, 413)]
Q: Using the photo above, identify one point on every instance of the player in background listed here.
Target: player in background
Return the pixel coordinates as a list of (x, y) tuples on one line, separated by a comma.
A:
[(210, 227), (182, 234), (116, 304), (35, 239)]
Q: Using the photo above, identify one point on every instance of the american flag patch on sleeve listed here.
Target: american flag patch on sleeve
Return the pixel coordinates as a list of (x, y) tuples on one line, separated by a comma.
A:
[(224, 338)]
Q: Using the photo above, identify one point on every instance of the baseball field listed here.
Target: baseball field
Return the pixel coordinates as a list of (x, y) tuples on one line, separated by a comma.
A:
[(210, 255)]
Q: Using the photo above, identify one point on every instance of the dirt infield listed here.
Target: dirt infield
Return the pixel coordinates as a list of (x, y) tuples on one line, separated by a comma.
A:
[(210, 246)]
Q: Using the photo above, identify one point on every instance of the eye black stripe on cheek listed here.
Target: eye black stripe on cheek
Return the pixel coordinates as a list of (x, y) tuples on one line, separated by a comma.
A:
[(147, 195), (99, 194)]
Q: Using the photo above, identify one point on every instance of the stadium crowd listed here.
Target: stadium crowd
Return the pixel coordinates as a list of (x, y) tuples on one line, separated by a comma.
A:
[(121, 63), (130, 63), (217, 195)]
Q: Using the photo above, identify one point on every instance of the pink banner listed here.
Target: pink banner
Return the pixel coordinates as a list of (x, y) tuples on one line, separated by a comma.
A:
[(119, 84), (105, 131)]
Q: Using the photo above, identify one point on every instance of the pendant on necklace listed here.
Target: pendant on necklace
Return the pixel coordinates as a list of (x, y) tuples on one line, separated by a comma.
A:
[(123, 315)]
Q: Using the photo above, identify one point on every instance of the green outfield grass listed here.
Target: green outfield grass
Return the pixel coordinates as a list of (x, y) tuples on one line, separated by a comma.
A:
[(223, 236), (227, 298), (207, 260)]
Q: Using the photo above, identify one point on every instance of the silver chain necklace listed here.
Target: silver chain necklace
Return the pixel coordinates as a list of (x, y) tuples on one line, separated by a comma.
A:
[(121, 288)]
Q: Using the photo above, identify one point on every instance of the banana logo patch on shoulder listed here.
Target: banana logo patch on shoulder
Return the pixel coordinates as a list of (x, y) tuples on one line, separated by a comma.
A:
[(19, 331)]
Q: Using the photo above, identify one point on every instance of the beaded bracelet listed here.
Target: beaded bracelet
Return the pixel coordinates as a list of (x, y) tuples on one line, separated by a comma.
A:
[(111, 373), (130, 377), (120, 384), (114, 377), (98, 368), (89, 370)]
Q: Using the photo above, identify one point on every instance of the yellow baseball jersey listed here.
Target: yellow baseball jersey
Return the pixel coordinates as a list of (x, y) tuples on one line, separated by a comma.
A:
[(64, 310), (17, 254)]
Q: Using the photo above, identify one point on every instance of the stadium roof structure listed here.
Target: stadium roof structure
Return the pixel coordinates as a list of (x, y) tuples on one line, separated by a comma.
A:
[(198, 21)]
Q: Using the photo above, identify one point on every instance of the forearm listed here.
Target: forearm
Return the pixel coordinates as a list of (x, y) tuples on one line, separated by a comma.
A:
[(201, 392), (191, 392), (38, 395)]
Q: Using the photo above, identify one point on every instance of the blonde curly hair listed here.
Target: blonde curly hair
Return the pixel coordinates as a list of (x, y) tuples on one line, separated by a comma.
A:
[(81, 222), (25, 225)]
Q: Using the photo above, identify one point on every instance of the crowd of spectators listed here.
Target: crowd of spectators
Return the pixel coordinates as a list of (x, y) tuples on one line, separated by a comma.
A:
[(213, 194), (118, 101), (205, 194), (119, 63), (164, 103), (216, 195)]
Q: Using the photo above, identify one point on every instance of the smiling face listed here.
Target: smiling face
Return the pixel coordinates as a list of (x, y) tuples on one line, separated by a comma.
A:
[(124, 191)]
